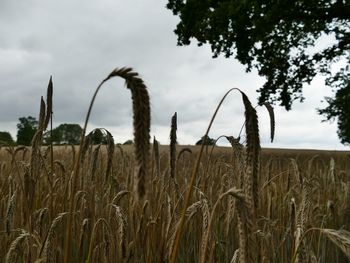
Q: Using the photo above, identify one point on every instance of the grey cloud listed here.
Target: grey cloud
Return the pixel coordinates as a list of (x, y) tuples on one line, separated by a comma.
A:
[(80, 42)]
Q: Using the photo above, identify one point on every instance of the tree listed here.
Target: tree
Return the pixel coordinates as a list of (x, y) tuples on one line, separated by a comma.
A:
[(277, 39), (26, 129), (128, 142), (64, 134), (6, 138), (98, 137), (207, 141)]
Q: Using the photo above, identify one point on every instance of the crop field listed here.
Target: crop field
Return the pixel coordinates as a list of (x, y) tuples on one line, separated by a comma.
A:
[(298, 190), (155, 203)]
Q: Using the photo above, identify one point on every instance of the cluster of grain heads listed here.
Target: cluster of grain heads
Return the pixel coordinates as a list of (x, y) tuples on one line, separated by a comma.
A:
[(251, 173)]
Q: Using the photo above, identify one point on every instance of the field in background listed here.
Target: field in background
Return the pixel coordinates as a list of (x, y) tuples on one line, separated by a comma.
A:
[(298, 190)]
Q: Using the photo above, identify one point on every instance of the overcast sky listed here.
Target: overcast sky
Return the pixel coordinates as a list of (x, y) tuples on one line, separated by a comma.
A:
[(81, 42)]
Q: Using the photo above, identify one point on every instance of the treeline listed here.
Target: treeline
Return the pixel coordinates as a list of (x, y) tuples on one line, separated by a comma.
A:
[(67, 133)]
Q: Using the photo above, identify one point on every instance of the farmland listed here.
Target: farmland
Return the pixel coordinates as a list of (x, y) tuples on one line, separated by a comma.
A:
[(297, 189)]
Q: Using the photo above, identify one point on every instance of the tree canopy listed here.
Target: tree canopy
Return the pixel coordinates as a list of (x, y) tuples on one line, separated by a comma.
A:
[(278, 39), (98, 137), (207, 141), (6, 138), (67, 133), (26, 129), (128, 142)]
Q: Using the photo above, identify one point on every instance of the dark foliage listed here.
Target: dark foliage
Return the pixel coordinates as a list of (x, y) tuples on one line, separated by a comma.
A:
[(26, 129), (64, 134), (207, 141), (6, 138), (277, 39)]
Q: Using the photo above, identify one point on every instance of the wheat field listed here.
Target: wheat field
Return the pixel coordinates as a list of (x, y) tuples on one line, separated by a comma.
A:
[(155, 203)]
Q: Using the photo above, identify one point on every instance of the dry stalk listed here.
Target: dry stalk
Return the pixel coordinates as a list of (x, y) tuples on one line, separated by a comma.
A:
[(93, 234), (183, 151), (180, 227)]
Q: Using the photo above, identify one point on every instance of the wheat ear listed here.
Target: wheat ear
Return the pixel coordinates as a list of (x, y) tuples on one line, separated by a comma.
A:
[(48, 251), (12, 254), (48, 103), (173, 145), (10, 212), (142, 125), (252, 161), (272, 120), (142, 121)]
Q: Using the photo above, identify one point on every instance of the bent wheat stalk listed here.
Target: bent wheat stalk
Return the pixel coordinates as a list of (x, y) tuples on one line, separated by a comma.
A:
[(142, 125), (180, 226)]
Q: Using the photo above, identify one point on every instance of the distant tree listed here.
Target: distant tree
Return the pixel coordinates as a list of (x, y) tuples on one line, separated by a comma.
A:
[(64, 134), (26, 129), (6, 138), (98, 137), (207, 141), (128, 142)]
